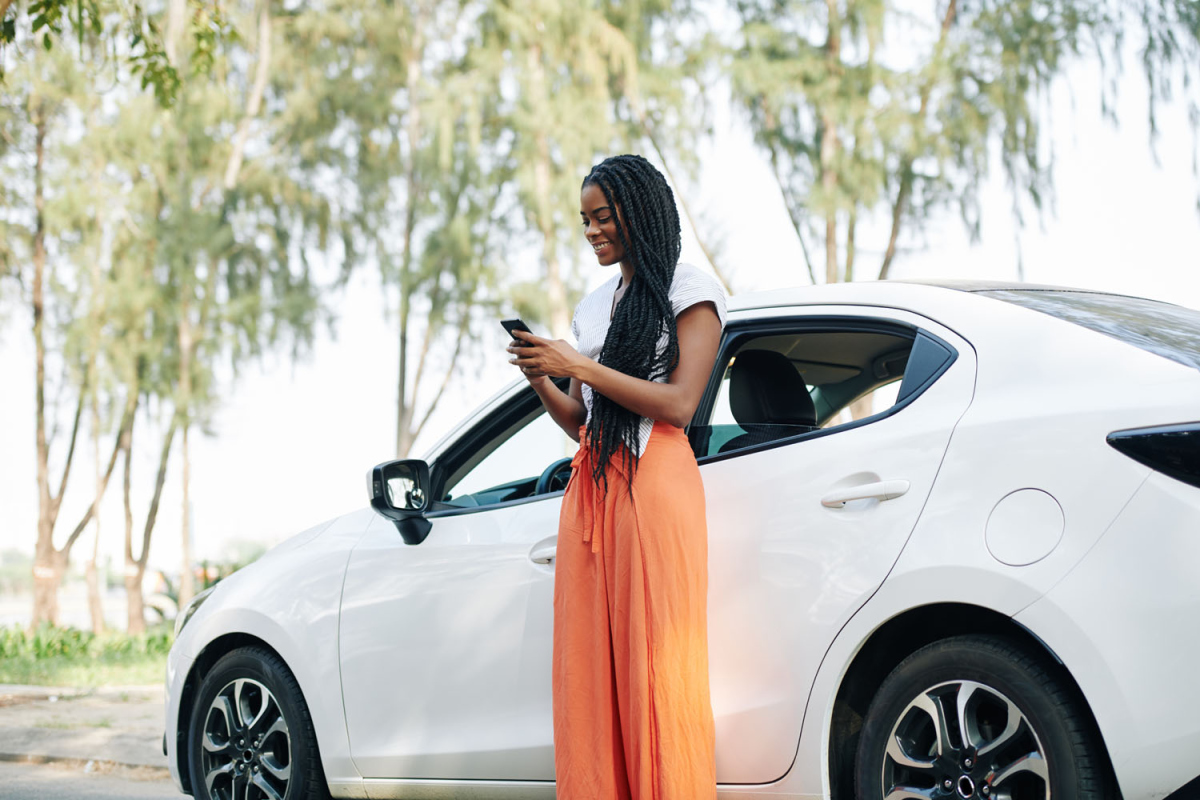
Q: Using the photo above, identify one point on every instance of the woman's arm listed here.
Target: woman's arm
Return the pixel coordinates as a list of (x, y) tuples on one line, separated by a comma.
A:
[(673, 402)]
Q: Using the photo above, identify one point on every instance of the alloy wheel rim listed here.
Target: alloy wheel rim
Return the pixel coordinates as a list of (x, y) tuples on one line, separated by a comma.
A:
[(246, 748), (964, 740)]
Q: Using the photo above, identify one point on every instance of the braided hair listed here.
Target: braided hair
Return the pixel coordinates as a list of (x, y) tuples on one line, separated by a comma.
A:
[(650, 236)]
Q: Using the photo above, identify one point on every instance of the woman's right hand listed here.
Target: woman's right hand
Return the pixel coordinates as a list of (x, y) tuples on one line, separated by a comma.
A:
[(566, 408), (535, 377)]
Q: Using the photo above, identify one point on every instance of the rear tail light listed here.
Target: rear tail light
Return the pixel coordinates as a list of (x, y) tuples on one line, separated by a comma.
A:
[(1173, 450)]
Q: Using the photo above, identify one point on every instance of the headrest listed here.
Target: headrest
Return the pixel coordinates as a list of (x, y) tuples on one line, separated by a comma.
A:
[(766, 389)]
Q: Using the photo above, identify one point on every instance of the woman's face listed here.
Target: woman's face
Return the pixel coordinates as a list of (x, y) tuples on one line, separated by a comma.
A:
[(600, 225)]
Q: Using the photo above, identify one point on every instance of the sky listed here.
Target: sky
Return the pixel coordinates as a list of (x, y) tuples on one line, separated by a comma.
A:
[(293, 442)]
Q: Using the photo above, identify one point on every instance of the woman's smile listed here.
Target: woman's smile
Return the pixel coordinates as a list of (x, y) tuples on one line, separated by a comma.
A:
[(600, 225)]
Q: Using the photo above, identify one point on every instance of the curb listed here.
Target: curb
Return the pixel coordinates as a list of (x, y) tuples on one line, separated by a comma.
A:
[(88, 764)]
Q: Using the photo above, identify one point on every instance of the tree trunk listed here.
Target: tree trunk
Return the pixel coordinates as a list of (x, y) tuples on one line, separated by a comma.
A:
[(135, 568), (100, 480), (136, 602), (403, 408), (187, 579), (95, 607), (406, 398), (254, 101), (47, 574), (906, 171), (135, 619), (829, 146), (176, 20), (560, 314), (183, 413), (848, 274)]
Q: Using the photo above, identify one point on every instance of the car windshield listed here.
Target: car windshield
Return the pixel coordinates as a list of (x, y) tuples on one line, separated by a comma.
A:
[(1161, 328)]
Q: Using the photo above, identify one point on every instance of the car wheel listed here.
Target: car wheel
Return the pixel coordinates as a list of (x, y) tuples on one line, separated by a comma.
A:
[(976, 718), (250, 735)]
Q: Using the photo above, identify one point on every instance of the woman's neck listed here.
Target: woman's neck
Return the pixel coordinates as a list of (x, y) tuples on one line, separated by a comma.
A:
[(626, 273)]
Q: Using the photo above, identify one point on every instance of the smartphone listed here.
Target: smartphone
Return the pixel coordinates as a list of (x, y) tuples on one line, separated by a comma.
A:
[(511, 325)]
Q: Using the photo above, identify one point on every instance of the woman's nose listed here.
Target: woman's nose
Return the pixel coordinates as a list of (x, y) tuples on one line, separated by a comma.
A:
[(591, 230)]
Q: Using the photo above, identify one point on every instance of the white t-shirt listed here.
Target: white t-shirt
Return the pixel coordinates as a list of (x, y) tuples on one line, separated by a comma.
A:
[(590, 325)]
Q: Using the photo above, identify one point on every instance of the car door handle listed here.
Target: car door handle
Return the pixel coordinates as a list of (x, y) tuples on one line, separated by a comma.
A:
[(543, 552), (882, 490)]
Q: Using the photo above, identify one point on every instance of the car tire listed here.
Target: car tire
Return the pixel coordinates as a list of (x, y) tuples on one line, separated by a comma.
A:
[(980, 718), (250, 735)]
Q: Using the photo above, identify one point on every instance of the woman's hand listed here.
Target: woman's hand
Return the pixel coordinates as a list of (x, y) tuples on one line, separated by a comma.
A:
[(539, 358)]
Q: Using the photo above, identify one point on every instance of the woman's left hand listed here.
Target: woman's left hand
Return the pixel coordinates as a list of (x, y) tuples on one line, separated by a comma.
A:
[(544, 356)]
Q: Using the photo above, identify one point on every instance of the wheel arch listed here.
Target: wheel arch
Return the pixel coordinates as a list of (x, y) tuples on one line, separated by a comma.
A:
[(900, 637), (204, 662)]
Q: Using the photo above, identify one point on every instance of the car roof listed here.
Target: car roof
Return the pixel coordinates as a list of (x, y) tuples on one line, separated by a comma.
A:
[(885, 292)]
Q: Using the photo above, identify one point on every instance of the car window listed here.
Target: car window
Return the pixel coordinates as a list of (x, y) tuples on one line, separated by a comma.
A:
[(1161, 328), (507, 465), (778, 385)]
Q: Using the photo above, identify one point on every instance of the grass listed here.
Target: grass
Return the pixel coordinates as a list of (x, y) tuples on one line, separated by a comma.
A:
[(71, 657)]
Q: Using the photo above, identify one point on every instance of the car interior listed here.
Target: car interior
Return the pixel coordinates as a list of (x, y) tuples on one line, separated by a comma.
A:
[(788, 384), (776, 384)]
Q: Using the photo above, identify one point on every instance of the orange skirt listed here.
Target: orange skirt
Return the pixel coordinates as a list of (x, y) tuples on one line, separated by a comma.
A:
[(632, 715)]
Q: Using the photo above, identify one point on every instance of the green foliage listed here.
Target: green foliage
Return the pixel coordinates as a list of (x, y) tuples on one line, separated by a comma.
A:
[(70, 657), (125, 29), (48, 642), (850, 124)]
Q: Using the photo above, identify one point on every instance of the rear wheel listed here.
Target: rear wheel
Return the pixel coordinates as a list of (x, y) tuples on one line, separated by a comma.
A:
[(251, 736), (977, 717)]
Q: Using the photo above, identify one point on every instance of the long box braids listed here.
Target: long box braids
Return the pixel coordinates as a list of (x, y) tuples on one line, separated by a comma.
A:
[(648, 227)]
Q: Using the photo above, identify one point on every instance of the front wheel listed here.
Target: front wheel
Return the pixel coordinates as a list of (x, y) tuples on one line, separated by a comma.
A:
[(977, 717), (250, 735)]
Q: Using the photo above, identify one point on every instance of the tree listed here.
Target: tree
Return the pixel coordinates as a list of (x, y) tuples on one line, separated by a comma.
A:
[(235, 232), (207, 254), (852, 128), (414, 180), (41, 203), (662, 100), (126, 30), (561, 60)]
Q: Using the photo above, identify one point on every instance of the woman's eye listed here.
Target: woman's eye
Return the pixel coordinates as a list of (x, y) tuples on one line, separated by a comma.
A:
[(604, 221)]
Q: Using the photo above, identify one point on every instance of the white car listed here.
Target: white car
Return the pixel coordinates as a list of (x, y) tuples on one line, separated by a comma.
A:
[(954, 536)]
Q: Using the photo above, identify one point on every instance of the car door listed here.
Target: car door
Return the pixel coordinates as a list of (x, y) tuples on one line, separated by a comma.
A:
[(445, 645), (793, 554)]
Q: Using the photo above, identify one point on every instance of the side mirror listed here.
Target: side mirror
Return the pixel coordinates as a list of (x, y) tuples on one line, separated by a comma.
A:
[(399, 490)]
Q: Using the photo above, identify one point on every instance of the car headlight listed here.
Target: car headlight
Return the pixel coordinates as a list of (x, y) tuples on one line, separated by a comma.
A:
[(187, 611)]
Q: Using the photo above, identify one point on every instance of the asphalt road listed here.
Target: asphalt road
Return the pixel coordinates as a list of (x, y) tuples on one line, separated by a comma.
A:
[(58, 782)]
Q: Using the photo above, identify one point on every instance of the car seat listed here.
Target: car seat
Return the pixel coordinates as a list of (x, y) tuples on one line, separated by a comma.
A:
[(768, 399)]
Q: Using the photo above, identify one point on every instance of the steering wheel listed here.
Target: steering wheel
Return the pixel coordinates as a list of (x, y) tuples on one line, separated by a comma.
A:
[(550, 480)]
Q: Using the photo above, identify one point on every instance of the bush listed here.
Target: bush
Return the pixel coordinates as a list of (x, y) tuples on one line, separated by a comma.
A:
[(49, 654)]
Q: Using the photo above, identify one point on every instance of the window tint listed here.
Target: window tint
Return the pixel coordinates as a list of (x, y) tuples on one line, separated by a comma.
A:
[(779, 385), (1161, 328)]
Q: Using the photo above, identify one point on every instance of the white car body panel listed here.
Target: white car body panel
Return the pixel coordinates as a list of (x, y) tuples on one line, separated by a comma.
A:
[(785, 572), (461, 699), (465, 691), (1113, 621), (947, 558), (297, 616)]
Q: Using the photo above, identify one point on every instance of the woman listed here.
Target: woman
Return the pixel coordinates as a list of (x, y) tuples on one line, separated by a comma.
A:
[(632, 717)]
